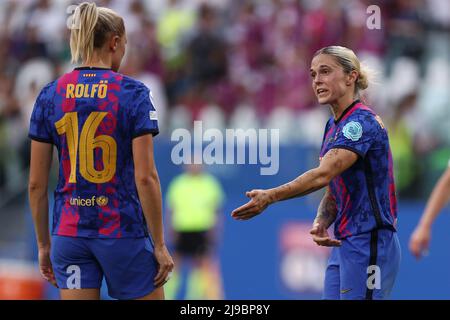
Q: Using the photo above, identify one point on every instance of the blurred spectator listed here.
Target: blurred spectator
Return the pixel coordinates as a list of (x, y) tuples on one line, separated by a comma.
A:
[(28, 45), (402, 144), (406, 32), (206, 61), (173, 25), (150, 50)]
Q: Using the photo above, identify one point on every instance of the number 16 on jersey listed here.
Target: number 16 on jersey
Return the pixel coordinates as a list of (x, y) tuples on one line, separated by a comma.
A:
[(84, 147)]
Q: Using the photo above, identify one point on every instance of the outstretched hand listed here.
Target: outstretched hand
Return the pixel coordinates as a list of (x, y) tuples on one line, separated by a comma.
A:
[(259, 201), (320, 236)]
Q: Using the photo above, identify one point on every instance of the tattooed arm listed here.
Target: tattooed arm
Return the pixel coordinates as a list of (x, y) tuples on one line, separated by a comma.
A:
[(333, 163), (326, 214), (327, 211)]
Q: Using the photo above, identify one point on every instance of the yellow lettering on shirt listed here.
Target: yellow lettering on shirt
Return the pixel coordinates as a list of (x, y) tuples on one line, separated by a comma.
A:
[(80, 90)]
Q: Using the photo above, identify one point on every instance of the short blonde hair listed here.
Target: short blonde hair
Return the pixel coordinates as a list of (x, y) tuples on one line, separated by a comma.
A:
[(94, 25), (349, 62)]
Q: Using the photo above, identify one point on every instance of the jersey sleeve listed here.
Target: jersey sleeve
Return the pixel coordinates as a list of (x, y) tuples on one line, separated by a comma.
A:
[(358, 134), (144, 119), (39, 129)]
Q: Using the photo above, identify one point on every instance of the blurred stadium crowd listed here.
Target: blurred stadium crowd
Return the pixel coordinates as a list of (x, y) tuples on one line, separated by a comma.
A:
[(245, 64)]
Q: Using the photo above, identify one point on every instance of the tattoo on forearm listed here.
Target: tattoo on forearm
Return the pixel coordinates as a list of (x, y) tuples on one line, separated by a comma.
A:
[(290, 187), (327, 210)]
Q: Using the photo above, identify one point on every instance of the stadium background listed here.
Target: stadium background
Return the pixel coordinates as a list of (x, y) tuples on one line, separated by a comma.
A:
[(250, 71)]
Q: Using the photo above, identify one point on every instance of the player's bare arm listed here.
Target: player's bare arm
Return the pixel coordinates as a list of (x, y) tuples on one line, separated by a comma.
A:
[(333, 163), (149, 190), (420, 239), (326, 214), (41, 159)]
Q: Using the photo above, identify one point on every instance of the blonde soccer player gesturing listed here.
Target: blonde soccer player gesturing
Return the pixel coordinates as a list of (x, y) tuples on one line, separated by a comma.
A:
[(356, 170)]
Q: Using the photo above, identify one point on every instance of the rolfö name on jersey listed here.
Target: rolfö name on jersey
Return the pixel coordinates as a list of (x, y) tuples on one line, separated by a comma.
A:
[(80, 90)]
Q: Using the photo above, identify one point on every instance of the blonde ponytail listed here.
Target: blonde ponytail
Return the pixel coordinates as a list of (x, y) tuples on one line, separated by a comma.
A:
[(82, 38), (95, 23), (362, 82)]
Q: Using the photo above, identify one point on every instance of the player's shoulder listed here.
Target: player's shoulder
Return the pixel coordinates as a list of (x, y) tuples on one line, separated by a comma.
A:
[(44, 99), (131, 84), (329, 123), (365, 117), (363, 110), (133, 91), (48, 90)]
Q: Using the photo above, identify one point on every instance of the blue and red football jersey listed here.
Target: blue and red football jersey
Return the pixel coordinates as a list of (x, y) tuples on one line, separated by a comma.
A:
[(365, 192), (91, 115)]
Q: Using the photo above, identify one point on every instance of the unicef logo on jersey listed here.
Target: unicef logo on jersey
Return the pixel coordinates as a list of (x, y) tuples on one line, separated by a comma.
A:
[(100, 201), (353, 131)]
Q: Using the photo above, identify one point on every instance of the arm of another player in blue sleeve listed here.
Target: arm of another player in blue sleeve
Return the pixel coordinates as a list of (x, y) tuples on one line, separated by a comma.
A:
[(144, 119), (358, 135), (39, 130)]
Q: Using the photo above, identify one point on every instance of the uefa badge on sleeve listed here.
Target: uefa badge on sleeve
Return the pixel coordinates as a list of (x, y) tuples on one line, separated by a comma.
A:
[(153, 115), (353, 131)]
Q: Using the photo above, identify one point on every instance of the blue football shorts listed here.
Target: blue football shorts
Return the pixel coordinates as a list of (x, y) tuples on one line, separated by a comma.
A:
[(128, 265), (363, 267)]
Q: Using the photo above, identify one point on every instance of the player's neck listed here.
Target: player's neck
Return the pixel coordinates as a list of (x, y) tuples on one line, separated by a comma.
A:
[(98, 61), (339, 106)]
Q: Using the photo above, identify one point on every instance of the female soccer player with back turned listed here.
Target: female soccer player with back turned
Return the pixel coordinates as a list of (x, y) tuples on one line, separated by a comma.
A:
[(108, 194)]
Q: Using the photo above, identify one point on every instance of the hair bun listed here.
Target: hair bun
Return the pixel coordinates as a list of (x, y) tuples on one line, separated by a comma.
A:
[(362, 82)]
